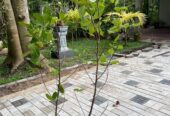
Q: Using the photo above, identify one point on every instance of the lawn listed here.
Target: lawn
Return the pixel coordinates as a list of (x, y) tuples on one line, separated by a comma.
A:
[(84, 50)]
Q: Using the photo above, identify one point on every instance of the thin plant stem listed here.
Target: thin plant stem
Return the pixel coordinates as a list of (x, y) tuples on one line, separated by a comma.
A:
[(97, 60)]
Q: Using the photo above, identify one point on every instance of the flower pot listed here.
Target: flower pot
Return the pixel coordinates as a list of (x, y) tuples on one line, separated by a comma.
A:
[(62, 28), (61, 34)]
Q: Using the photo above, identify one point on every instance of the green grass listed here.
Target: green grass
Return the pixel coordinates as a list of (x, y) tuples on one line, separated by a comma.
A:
[(134, 45), (84, 50), (24, 72)]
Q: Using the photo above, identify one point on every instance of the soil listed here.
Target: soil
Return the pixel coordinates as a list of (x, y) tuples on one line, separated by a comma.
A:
[(160, 34), (9, 89)]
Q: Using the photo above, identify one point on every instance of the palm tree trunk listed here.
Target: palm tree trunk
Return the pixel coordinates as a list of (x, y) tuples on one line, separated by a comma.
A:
[(21, 13), (15, 57)]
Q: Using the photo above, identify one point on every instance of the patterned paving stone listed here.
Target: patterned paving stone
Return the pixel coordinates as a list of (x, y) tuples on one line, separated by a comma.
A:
[(99, 73), (99, 100), (157, 98), (165, 81), (83, 87), (19, 102), (156, 71), (2, 106), (60, 101), (46, 110), (66, 85), (126, 72), (131, 83), (28, 113), (99, 84), (139, 99)]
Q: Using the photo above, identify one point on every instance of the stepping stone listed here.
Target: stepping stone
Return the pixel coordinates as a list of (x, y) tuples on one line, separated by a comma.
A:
[(155, 46), (165, 81), (19, 102), (157, 50), (66, 85), (99, 100), (156, 71), (140, 99), (129, 56), (122, 63), (165, 55), (132, 83), (99, 84), (126, 72), (29, 113), (148, 62), (147, 49), (135, 54), (141, 56)]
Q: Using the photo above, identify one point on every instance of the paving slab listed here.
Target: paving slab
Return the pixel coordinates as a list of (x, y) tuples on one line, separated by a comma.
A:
[(140, 84)]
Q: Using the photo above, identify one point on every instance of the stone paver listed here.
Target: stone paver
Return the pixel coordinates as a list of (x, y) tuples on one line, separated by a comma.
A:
[(141, 84)]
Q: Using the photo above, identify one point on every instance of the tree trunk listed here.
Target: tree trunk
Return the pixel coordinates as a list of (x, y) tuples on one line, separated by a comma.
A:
[(21, 13), (15, 57), (17, 11)]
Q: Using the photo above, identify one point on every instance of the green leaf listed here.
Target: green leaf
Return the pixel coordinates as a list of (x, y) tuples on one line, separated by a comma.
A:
[(78, 89), (112, 1), (114, 62), (49, 97), (55, 96), (24, 24), (35, 52), (103, 59), (61, 88), (120, 47), (116, 39), (53, 20), (111, 51), (52, 97), (55, 72)]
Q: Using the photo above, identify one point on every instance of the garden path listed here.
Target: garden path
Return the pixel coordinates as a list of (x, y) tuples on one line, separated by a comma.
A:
[(141, 85)]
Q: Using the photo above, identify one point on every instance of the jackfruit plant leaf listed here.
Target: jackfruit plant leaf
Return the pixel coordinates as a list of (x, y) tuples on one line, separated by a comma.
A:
[(114, 62), (61, 88), (110, 51)]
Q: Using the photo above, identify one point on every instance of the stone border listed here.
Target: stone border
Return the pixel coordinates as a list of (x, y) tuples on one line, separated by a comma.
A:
[(40, 75), (128, 55), (135, 52)]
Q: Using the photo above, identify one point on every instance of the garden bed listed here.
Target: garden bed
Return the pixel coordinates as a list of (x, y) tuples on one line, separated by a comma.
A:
[(19, 85), (84, 51)]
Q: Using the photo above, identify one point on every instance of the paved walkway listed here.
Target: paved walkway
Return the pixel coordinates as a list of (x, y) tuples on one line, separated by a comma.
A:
[(141, 84)]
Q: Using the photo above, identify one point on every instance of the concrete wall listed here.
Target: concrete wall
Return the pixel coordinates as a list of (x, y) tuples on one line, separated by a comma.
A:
[(164, 13)]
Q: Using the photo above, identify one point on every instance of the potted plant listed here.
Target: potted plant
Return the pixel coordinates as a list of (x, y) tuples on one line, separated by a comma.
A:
[(60, 31)]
